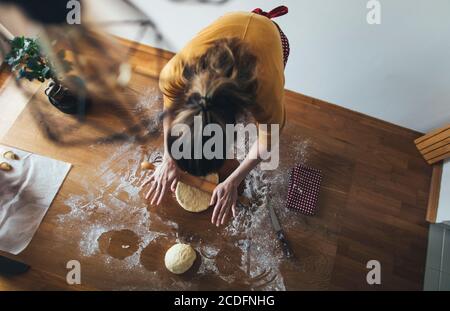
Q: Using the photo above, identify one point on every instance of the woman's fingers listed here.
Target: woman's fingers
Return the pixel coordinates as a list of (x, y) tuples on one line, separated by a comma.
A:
[(222, 212), (216, 212), (213, 200), (173, 187), (150, 191), (217, 201), (233, 209), (225, 215), (162, 192), (164, 177), (149, 180), (146, 183), (155, 195), (157, 191)]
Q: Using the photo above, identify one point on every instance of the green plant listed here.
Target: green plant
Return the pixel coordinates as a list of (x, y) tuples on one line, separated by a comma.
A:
[(26, 58)]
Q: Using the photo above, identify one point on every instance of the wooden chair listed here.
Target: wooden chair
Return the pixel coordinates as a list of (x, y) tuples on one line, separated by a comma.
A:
[(435, 148)]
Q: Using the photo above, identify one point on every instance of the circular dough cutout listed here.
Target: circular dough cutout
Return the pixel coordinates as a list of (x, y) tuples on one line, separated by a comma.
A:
[(193, 199), (179, 258)]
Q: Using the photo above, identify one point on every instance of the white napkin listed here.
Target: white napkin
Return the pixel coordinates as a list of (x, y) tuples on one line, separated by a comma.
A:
[(26, 193)]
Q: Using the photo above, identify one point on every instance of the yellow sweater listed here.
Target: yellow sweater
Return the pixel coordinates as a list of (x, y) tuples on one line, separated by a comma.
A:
[(263, 39)]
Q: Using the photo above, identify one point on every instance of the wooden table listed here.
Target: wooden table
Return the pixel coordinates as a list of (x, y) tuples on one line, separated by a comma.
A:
[(372, 206)]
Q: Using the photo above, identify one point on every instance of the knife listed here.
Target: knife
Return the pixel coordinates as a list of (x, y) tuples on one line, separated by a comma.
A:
[(287, 251)]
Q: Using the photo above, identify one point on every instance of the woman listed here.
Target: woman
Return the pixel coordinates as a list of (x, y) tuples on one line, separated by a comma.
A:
[(233, 66)]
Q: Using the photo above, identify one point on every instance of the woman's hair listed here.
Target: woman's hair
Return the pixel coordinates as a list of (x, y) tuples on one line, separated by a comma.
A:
[(219, 85)]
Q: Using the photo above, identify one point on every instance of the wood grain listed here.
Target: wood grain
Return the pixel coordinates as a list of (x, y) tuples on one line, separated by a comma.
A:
[(435, 188), (372, 205), (435, 146), (431, 134)]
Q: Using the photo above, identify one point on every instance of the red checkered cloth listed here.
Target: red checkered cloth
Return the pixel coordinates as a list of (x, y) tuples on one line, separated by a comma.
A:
[(303, 191), (278, 11)]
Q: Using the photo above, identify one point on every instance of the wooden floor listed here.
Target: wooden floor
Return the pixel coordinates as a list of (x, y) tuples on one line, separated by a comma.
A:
[(372, 205)]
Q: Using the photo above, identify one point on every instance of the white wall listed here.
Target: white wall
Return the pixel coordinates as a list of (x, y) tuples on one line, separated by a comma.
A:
[(398, 71)]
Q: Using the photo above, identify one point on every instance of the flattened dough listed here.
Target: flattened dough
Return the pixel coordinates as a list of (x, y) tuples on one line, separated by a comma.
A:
[(193, 199)]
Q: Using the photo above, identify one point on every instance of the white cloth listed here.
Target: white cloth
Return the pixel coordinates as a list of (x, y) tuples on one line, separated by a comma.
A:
[(26, 193)]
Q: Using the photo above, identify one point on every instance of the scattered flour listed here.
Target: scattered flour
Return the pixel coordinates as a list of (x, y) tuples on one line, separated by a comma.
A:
[(114, 203), (260, 252), (88, 243)]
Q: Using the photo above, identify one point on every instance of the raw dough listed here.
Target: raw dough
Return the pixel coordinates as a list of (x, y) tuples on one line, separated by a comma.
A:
[(179, 258), (10, 155), (5, 167), (193, 199)]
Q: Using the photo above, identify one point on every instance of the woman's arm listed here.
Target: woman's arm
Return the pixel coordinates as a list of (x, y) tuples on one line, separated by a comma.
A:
[(225, 194), (250, 162), (168, 118), (166, 174)]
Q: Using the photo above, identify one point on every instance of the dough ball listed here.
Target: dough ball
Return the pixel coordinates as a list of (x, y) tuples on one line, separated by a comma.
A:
[(193, 199), (146, 165), (10, 155), (5, 167), (179, 258)]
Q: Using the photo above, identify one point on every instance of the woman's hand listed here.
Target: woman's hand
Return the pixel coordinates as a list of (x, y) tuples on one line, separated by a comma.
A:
[(223, 199), (164, 176)]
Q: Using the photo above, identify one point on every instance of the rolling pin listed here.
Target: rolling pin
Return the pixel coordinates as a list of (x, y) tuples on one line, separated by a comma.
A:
[(196, 182)]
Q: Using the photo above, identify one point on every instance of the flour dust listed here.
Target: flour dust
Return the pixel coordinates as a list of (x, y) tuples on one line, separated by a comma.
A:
[(115, 202)]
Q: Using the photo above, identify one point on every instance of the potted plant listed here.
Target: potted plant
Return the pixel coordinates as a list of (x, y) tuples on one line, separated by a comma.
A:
[(28, 62)]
